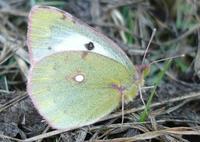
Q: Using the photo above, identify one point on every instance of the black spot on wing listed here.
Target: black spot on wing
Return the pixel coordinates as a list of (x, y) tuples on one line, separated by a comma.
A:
[(90, 46)]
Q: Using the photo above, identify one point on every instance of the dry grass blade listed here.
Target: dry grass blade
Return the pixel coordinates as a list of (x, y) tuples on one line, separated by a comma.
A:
[(13, 101), (154, 134), (56, 132), (46, 129), (147, 135), (10, 138), (191, 96), (119, 3), (184, 35), (45, 135), (14, 12), (197, 59)]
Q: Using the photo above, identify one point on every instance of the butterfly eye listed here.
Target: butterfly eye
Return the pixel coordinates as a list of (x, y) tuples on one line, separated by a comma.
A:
[(89, 46)]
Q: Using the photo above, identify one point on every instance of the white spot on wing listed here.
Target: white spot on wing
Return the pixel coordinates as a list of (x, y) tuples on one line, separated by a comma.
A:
[(79, 78)]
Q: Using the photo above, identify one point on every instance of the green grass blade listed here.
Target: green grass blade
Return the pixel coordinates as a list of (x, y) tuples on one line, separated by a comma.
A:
[(146, 111)]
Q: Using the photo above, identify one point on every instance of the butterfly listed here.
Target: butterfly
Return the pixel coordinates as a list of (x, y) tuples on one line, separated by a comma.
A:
[(77, 75)]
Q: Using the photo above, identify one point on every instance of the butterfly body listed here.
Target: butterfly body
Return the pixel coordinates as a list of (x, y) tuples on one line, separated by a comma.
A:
[(77, 75)]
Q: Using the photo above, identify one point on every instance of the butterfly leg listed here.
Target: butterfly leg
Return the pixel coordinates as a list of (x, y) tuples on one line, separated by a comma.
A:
[(122, 105), (141, 97)]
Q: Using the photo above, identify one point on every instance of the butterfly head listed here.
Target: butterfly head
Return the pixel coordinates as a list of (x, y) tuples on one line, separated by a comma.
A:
[(143, 70)]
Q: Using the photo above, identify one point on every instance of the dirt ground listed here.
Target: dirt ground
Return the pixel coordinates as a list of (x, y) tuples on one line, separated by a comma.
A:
[(174, 113)]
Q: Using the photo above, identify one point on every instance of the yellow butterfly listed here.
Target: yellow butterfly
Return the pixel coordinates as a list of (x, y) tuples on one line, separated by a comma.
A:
[(77, 74)]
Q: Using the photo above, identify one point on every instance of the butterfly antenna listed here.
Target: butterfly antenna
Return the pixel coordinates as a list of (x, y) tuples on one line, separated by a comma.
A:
[(145, 53), (122, 109), (164, 59)]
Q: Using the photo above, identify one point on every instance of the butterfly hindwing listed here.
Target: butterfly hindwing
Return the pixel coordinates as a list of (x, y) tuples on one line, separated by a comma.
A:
[(67, 101)]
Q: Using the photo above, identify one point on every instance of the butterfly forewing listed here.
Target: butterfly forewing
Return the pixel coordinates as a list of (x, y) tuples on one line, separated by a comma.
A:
[(52, 30)]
